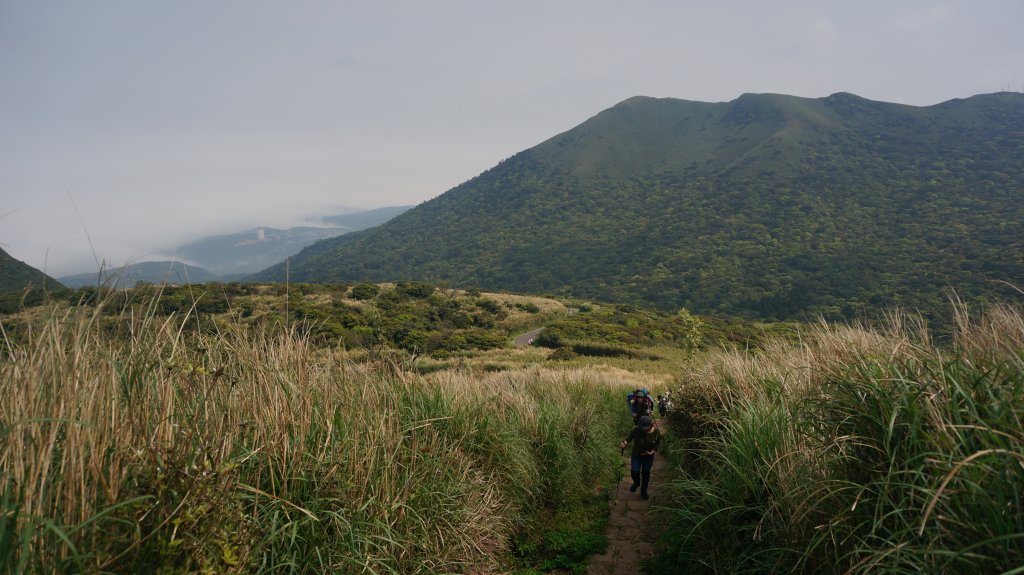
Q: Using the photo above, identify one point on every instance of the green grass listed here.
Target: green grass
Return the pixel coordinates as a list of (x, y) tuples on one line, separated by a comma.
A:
[(898, 456), (138, 443)]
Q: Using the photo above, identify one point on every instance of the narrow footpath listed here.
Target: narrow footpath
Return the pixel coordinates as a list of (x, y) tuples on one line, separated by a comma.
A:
[(632, 528)]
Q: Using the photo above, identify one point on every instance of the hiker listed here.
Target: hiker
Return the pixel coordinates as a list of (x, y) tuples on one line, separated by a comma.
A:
[(630, 398), (662, 405), (640, 404), (646, 438)]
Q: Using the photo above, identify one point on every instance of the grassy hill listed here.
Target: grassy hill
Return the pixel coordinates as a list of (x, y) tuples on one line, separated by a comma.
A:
[(769, 206), (16, 275)]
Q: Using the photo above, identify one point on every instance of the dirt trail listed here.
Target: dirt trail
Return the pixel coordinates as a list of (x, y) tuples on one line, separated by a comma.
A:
[(632, 528)]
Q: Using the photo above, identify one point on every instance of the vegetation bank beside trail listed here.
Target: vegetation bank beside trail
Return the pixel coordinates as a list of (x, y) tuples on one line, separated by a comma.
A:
[(856, 451), (144, 442), (302, 429)]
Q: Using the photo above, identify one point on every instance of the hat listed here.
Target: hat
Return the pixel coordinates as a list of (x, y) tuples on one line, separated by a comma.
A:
[(646, 422)]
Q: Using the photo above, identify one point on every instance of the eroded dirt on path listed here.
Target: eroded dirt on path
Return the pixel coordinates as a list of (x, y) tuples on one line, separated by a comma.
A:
[(632, 527)]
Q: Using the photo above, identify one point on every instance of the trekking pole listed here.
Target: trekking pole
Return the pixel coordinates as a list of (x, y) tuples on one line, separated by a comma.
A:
[(619, 474)]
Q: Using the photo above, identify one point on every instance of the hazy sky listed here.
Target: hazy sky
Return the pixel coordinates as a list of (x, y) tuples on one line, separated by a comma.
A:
[(144, 124)]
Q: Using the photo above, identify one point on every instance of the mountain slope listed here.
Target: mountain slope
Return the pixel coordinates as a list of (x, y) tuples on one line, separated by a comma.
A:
[(148, 272), (250, 251), (768, 206), (16, 275), (361, 220), (244, 252)]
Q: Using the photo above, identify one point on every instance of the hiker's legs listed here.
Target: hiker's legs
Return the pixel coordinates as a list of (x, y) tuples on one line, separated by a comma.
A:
[(645, 463), (634, 471)]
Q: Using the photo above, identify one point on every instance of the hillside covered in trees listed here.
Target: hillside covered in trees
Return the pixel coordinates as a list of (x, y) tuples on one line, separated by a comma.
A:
[(16, 275), (768, 206)]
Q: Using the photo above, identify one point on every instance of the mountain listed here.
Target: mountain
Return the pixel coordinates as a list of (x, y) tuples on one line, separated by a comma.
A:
[(148, 272), (366, 218), (16, 275), (768, 206), (244, 252), (252, 250)]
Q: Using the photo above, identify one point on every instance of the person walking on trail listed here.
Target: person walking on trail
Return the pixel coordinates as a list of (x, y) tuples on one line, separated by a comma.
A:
[(662, 405), (646, 438), (640, 404)]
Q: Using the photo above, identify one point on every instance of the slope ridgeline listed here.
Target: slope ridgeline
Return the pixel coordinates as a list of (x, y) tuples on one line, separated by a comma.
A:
[(16, 275)]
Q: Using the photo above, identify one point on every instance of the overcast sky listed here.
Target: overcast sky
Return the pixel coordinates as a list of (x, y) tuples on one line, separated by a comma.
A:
[(142, 125)]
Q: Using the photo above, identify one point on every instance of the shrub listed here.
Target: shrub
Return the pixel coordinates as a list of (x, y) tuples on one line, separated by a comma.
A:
[(420, 290), (563, 354), (528, 307), (490, 306), (364, 291)]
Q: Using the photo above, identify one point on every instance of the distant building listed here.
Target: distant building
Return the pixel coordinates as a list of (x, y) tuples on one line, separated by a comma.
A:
[(260, 235)]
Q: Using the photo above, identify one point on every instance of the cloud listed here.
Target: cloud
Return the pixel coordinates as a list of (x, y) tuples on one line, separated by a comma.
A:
[(823, 34), (928, 18)]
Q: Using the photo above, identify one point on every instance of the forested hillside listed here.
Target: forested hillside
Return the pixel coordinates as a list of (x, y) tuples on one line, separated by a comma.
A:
[(16, 275), (769, 206)]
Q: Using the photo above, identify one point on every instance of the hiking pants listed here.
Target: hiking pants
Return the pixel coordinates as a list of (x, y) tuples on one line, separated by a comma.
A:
[(640, 470)]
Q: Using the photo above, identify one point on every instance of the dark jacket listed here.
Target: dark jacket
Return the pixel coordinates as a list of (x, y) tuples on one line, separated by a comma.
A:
[(644, 441)]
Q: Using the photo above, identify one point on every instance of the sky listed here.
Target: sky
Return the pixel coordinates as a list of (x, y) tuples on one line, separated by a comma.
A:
[(130, 127)]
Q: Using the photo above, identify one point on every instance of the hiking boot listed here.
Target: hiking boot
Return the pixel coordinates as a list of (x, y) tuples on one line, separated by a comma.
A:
[(644, 496), (632, 488)]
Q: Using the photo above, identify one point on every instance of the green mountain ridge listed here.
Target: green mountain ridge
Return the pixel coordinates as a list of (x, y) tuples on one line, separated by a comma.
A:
[(768, 206), (16, 275)]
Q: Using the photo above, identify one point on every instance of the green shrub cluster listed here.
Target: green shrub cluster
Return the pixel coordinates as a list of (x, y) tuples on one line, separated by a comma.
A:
[(609, 329), (413, 316)]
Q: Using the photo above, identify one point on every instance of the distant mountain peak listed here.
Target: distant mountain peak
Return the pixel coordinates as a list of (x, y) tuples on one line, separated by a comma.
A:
[(637, 100)]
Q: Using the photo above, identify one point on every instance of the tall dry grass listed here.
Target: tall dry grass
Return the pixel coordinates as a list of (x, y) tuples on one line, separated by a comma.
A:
[(133, 443), (858, 451)]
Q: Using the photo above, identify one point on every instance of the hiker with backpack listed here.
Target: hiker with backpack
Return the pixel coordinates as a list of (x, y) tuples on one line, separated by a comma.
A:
[(646, 438), (640, 404), (662, 406), (629, 401)]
